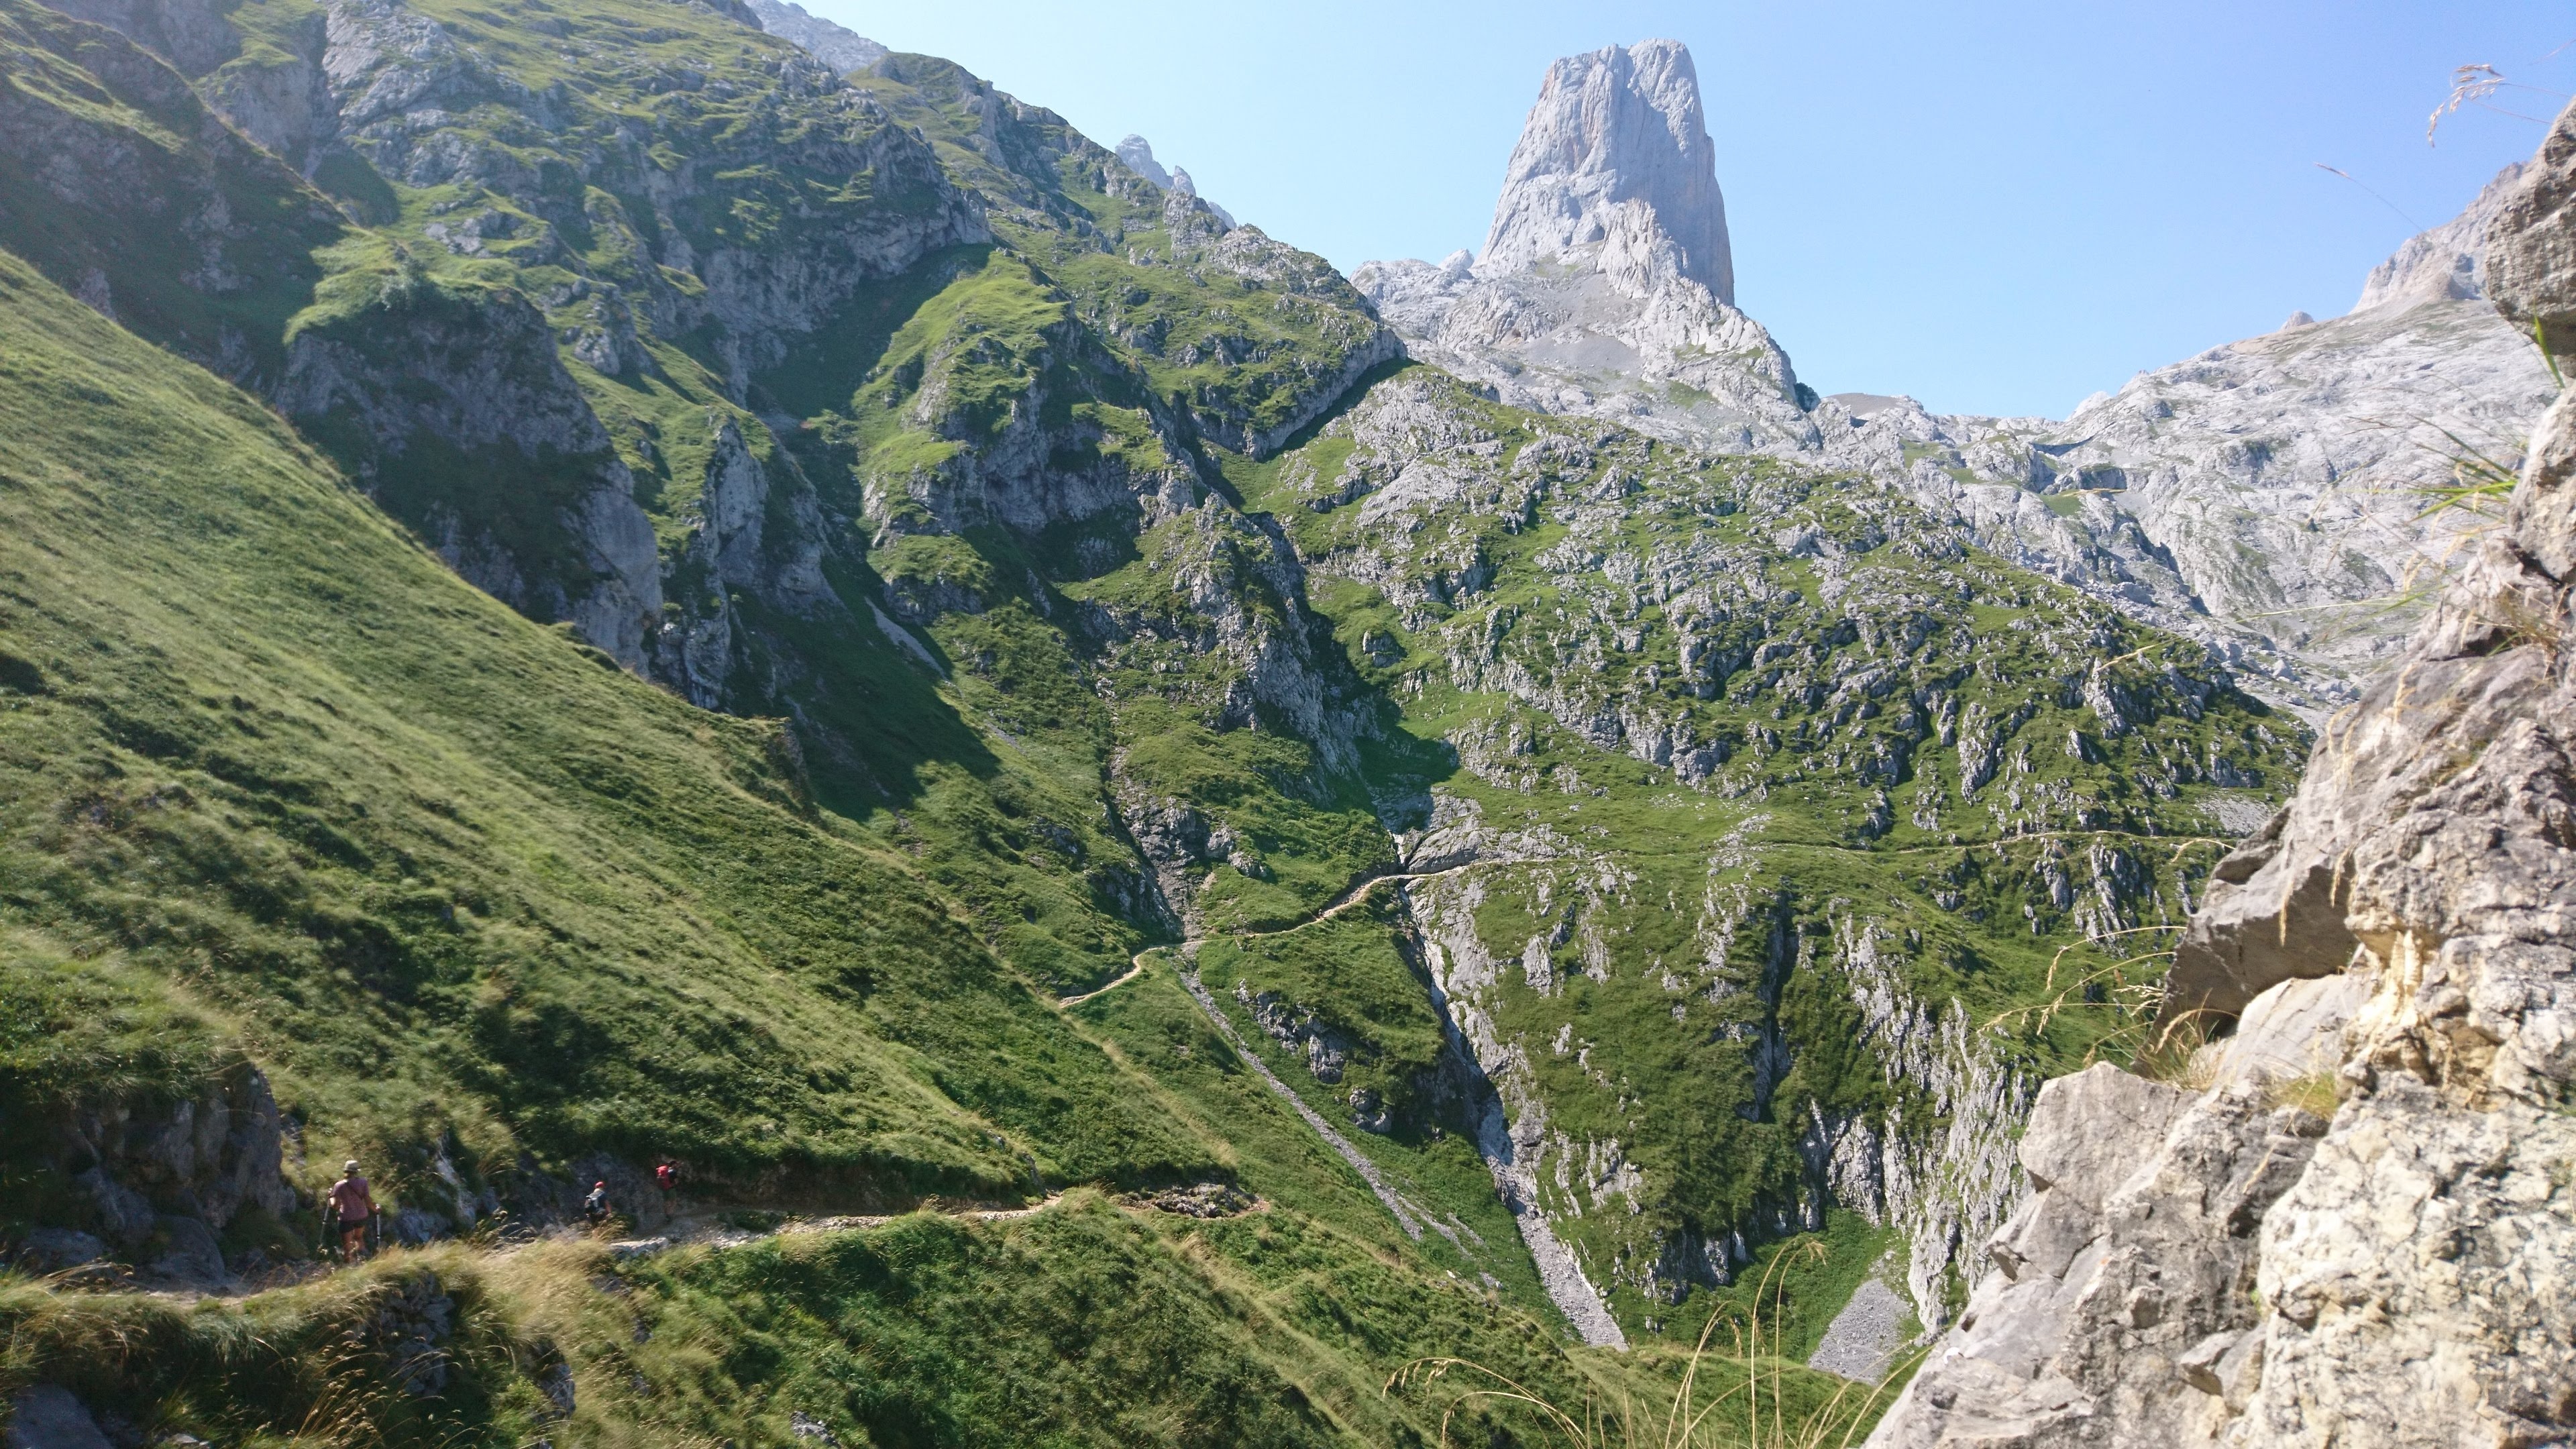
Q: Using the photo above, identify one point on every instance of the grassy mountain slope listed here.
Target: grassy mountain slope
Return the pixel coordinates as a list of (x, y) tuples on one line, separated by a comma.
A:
[(278, 783), (439, 866), (1055, 574)]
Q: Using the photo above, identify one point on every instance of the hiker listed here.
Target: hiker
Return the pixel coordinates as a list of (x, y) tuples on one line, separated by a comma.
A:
[(353, 1203), (595, 1206), (667, 1178)]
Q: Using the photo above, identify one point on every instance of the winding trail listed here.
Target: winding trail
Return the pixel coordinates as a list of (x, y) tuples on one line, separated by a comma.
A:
[(1407, 1216), (686, 1231), (1189, 945)]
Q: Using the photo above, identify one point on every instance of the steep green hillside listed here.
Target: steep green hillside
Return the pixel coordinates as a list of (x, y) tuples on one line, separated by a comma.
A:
[(443, 870), (278, 784)]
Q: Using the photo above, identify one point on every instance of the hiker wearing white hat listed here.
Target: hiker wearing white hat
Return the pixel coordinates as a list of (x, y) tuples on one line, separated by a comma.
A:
[(354, 1204)]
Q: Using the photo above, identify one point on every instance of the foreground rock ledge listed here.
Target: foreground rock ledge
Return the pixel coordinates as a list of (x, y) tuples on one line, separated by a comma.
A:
[(2354, 1224)]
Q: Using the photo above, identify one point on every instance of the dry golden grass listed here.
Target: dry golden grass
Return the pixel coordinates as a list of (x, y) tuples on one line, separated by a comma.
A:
[(1766, 1402)]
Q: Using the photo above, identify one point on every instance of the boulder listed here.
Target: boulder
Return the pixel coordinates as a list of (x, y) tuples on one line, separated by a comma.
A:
[(47, 1416)]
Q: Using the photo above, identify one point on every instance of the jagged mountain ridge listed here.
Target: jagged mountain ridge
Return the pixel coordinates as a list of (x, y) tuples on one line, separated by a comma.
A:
[(2266, 497)]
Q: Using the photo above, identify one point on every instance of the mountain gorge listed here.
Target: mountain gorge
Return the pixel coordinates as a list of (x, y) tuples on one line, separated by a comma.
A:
[(602, 581)]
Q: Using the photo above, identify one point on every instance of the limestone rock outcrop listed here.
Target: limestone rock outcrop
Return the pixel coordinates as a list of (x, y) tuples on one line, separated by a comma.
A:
[(837, 46), (1607, 284), (476, 377), (1138, 154), (157, 1180), (2446, 264), (2273, 497), (1615, 163), (2357, 1225)]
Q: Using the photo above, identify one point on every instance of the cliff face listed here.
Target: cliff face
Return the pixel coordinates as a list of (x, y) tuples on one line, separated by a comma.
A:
[(2447, 263), (839, 47), (1615, 162), (1607, 284), (2273, 496), (2355, 1225)]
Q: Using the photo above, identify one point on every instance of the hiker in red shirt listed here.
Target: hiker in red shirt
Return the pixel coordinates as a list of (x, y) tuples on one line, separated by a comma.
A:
[(667, 1178), (353, 1204)]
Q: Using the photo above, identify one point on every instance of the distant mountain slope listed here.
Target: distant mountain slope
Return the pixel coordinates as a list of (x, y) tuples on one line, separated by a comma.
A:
[(2265, 497), (837, 46)]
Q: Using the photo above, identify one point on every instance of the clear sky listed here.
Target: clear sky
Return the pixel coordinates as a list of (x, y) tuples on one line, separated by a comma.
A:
[(1996, 207)]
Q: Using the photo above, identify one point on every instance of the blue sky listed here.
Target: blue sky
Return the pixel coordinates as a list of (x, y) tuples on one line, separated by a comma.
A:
[(1994, 207)]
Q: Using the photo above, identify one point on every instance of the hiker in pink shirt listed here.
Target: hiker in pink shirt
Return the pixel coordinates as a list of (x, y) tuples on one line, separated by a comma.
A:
[(353, 1204)]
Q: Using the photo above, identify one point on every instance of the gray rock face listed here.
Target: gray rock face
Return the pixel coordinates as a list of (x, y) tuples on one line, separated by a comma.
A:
[(160, 1179), (1606, 287), (2446, 264), (2396, 1275), (839, 47), (479, 377), (48, 1416), (1615, 168), (2269, 497), (1138, 154)]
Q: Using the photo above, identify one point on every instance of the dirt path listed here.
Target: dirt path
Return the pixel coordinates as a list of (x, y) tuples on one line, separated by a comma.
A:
[(1408, 1216), (1190, 945), (688, 1231)]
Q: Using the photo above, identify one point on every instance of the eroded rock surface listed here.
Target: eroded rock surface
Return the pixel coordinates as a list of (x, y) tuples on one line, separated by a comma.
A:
[(2396, 1273), (837, 46), (1607, 284)]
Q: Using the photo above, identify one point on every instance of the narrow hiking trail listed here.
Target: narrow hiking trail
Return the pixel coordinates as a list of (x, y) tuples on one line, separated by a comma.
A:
[(1188, 946), (1410, 1216), (701, 1229), (1560, 1275), (713, 1231)]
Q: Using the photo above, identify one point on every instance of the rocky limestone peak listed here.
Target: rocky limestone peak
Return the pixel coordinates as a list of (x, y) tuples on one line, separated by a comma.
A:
[(1606, 287), (1615, 164), (842, 49), (1138, 153), (2445, 263)]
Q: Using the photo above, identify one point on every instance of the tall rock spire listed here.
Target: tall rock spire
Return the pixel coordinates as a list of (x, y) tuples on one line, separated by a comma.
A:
[(1607, 286), (1615, 166)]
